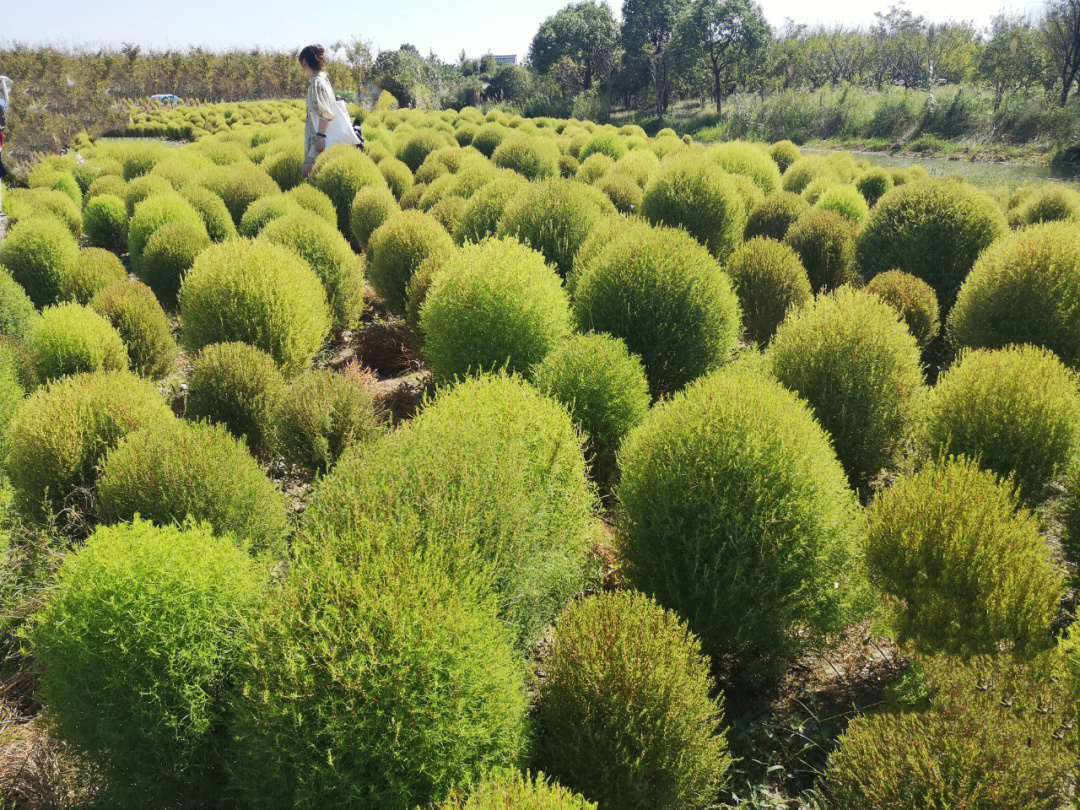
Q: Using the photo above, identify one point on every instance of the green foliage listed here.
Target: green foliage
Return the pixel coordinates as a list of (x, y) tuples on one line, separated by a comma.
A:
[(138, 640), (177, 470), (169, 254), (845, 200), (418, 146), (1015, 410), (321, 415), (554, 217), (996, 735), (624, 193), (370, 208), (105, 223), (397, 248), (211, 209), (697, 195), (240, 387), (604, 142), (663, 294), (784, 153), (94, 269), (134, 311), (934, 230), (852, 359), (17, 311), (264, 211), (488, 138), (755, 576), (39, 253), (873, 183), (60, 433), (770, 282), (512, 790), (315, 201), (399, 179), (70, 338), (914, 301), (824, 242), (242, 184), (963, 567), (604, 388), (340, 174), (326, 252), (483, 211), (143, 187), (531, 156), (749, 160), (489, 479), (427, 694), (257, 293), (775, 215), (1056, 203), (491, 306), (1025, 288), (626, 709)]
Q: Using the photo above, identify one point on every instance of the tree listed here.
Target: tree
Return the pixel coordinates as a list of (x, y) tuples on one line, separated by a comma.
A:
[(1013, 59), (730, 36), (358, 57), (900, 45), (648, 34), (1061, 33), (584, 32)]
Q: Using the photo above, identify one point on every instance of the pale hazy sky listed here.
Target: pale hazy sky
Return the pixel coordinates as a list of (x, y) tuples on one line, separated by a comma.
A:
[(503, 26)]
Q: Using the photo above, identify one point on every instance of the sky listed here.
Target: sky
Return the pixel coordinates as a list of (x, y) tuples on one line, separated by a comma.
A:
[(501, 26)]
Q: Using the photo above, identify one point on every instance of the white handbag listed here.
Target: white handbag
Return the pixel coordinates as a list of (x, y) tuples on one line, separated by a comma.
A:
[(340, 129)]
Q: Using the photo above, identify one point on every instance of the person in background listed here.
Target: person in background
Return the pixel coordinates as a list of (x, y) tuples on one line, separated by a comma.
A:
[(5, 95), (319, 104)]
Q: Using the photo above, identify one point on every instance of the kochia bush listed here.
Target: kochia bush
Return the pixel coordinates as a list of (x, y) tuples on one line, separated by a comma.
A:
[(134, 311), (749, 160), (105, 223), (397, 248), (169, 254), (512, 790), (340, 174), (94, 270), (770, 282), (775, 215), (151, 214), (370, 208), (914, 301), (824, 241), (531, 156), (70, 338), (39, 253)]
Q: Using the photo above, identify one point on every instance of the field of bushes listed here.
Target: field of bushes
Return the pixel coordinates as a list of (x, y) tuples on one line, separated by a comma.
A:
[(532, 463)]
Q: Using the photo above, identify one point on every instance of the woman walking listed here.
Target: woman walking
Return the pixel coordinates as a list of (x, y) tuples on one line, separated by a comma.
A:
[(319, 104)]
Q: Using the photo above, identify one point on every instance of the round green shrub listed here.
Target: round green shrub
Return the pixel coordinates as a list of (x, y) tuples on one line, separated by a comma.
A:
[(604, 142), (489, 479), (745, 572), (554, 217), (873, 183), (749, 193), (427, 694), (845, 200), (12, 394), (962, 566), (594, 168), (315, 201), (340, 175), (770, 282), (532, 156), (852, 359), (1055, 203), (626, 708), (749, 160), (624, 193), (320, 416), (1025, 288), (153, 213), (1015, 410), (483, 211), (257, 293), (134, 311), (17, 311), (784, 153), (39, 252), (168, 256), (664, 295), (914, 301), (397, 247), (775, 215), (327, 252), (178, 470), (568, 166), (512, 790), (243, 184), (94, 269), (397, 175), (934, 230), (105, 223), (239, 386), (824, 242), (60, 433), (211, 209), (488, 138), (603, 387), (370, 208), (264, 211), (144, 187), (493, 305), (697, 195), (418, 146), (59, 205), (285, 168), (105, 184), (802, 172), (991, 737), (138, 641), (70, 338)]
